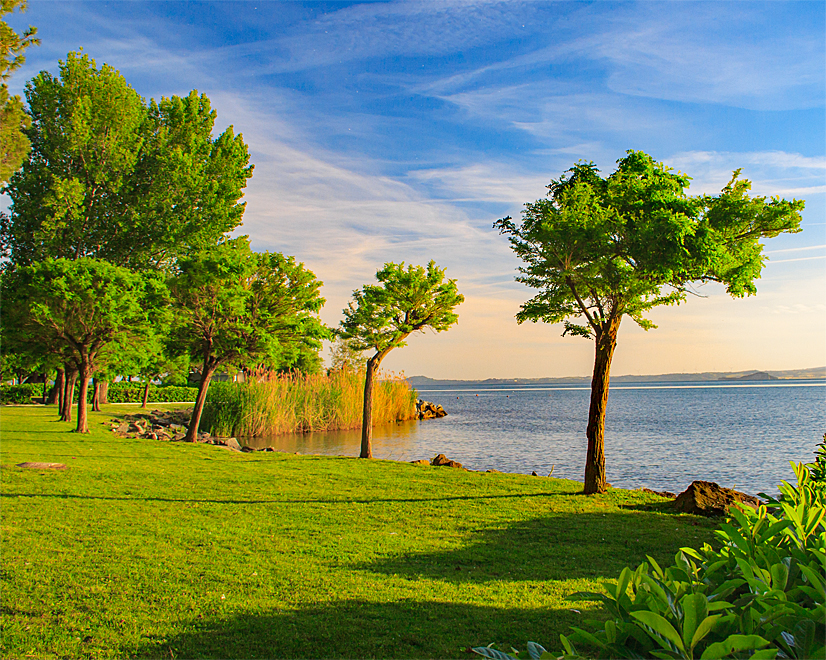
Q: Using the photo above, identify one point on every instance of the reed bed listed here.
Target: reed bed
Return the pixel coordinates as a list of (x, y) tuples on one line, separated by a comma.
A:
[(295, 402)]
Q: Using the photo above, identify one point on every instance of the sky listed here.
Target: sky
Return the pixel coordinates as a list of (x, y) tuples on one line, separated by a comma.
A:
[(401, 131)]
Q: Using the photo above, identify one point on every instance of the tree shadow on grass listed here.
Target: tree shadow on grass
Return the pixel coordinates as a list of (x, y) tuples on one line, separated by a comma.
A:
[(561, 546), (361, 629)]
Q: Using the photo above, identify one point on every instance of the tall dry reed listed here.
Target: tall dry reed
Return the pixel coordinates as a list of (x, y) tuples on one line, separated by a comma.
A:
[(294, 402)]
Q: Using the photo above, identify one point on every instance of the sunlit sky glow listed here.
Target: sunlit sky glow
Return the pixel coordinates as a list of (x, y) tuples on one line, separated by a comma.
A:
[(401, 131)]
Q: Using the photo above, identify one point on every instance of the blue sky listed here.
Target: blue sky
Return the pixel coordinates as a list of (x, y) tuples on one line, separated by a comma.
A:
[(401, 131)]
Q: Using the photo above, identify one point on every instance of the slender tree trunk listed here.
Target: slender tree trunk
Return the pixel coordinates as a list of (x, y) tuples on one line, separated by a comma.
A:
[(606, 342), (104, 392), (45, 387), (367, 409), (145, 394), (82, 407), (57, 391), (194, 422), (69, 395), (96, 396)]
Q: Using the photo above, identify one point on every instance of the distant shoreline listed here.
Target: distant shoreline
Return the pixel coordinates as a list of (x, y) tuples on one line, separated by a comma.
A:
[(816, 373)]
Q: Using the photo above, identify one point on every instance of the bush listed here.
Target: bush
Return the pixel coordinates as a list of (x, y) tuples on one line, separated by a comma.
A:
[(22, 393), (298, 402), (126, 392), (120, 392), (761, 595)]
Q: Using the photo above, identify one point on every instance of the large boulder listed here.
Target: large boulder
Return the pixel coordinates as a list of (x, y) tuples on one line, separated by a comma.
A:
[(706, 498), (428, 410)]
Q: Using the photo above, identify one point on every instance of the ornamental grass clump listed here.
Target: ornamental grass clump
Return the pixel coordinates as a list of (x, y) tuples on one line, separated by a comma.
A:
[(761, 595), (296, 402)]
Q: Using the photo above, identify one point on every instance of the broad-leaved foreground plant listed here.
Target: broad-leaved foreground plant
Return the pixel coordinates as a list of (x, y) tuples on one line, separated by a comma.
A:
[(761, 595)]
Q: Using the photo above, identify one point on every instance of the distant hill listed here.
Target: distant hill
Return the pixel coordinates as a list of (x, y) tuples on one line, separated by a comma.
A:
[(791, 374)]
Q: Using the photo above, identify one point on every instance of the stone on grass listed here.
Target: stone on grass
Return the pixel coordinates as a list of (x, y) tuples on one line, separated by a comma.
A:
[(421, 461), (706, 498), (42, 466)]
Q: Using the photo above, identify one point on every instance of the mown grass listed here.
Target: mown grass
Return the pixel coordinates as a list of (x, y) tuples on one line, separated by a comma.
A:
[(149, 549), (296, 403)]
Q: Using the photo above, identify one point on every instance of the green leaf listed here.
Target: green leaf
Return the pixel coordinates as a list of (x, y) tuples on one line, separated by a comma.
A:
[(733, 644), (494, 654), (535, 651), (664, 630), (705, 627)]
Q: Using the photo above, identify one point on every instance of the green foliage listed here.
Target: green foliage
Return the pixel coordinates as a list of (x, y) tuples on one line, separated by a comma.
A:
[(406, 300), (760, 595), (295, 403), (344, 356), (817, 470), (21, 393), (233, 306), (112, 178), (13, 118), (599, 248), (120, 392)]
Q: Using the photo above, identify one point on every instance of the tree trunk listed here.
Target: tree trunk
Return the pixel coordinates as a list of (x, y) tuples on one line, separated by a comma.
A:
[(60, 386), (45, 387), (96, 396), (367, 409), (82, 407), (194, 422), (68, 395), (606, 342), (104, 392), (56, 395), (145, 394)]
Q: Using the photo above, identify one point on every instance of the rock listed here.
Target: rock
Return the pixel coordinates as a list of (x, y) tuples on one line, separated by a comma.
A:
[(267, 449), (421, 461), (441, 460), (534, 474), (660, 493), (706, 498), (41, 466), (496, 471), (231, 443), (248, 450), (428, 410)]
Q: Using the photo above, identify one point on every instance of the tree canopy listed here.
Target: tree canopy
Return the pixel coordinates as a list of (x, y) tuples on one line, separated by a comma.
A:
[(106, 168), (13, 118), (234, 306), (84, 306), (598, 249), (381, 317)]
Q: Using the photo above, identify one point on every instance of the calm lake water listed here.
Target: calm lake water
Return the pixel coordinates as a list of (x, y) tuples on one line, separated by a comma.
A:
[(659, 435)]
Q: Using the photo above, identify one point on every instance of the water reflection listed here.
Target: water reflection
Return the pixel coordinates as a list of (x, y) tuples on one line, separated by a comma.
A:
[(391, 441)]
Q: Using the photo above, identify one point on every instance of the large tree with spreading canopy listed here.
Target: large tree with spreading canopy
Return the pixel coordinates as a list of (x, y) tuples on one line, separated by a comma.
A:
[(601, 248)]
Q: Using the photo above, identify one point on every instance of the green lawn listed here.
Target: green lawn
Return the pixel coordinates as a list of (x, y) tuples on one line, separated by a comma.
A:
[(149, 549)]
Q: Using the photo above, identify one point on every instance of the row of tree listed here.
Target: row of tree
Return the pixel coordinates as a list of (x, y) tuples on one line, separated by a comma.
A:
[(117, 255)]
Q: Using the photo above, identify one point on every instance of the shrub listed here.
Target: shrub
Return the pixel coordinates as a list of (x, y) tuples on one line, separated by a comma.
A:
[(298, 402), (22, 393), (761, 595)]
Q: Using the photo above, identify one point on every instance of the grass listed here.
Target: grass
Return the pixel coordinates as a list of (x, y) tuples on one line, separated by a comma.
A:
[(296, 402), (149, 549)]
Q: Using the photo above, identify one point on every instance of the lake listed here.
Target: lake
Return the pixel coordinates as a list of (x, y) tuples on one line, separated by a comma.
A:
[(659, 435)]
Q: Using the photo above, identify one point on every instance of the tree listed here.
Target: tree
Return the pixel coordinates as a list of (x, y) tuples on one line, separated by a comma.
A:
[(343, 355), (599, 249), (236, 307), (106, 168), (86, 305), (13, 118), (380, 318)]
